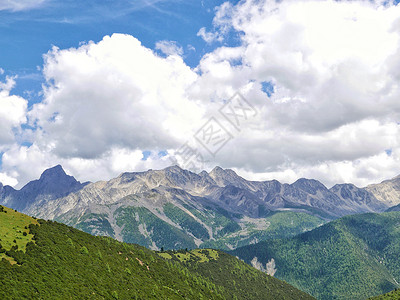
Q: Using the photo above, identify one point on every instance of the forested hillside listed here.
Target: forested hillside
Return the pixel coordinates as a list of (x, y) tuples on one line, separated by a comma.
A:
[(355, 257), (53, 261)]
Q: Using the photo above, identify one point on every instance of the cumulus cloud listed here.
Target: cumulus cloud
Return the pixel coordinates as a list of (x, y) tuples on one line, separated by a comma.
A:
[(111, 164), (7, 180), (333, 114), (12, 112), (208, 36), (103, 104), (334, 68), (113, 93)]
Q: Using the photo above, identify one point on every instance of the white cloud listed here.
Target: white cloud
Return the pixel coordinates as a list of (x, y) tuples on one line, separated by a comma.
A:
[(334, 112), (334, 66), (7, 180), (12, 112), (208, 36), (113, 93), (221, 24), (18, 5), (111, 164), (103, 105), (169, 48)]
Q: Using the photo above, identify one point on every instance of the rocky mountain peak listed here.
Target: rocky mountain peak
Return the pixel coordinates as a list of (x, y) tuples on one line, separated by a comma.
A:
[(224, 176), (53, 183), (217, 170), (309, 185), (55, 172), (203, 174), (174, 168)]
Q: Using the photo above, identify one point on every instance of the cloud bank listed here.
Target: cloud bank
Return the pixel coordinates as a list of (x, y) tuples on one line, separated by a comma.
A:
[(331, 113)]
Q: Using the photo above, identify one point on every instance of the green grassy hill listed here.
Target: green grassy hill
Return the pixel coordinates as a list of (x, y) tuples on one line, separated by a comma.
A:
[(393, 295), (54, 261), (14, 232), (355, 257)]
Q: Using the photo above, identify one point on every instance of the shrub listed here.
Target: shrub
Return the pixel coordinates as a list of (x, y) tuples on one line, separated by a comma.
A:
[(114, 294)]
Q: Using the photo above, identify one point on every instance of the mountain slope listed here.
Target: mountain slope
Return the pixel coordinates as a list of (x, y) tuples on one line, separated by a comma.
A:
[(65, 263), (354, 257), (358, 199), (175, 208), (387, 191), (14, 232), (394, 208)]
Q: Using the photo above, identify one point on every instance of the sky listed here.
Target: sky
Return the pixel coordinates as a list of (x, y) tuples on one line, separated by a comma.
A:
[(271, 89)]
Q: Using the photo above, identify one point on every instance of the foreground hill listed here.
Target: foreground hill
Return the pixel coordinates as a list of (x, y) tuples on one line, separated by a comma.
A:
[(394, 208), (53, 261), (354, 257), (175, 208), (393, 295)]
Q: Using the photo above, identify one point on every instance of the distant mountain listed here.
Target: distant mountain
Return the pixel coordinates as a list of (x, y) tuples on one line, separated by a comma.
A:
[(47, 260), (354, 257), (387, 191), (358, 199), (175, 208), (53, 183)]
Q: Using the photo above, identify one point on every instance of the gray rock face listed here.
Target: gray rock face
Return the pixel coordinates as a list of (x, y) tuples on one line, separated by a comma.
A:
[(221, 187), (188, 208), (387, 191), (6, 193), (358, 199)]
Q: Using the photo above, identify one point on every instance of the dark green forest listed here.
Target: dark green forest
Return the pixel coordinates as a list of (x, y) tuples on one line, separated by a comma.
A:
[(354, 257)]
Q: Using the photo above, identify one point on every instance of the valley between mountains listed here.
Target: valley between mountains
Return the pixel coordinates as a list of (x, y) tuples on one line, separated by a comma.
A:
[(332, 243)]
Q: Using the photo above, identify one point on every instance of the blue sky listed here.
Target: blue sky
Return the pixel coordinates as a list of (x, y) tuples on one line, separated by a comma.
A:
[(26, 35), (104, 87)]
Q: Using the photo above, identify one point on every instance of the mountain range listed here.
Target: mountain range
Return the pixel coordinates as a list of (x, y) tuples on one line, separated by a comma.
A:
[(176, 208)]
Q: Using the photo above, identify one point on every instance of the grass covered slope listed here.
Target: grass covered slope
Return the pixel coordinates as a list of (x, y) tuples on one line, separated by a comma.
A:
[(241, 280), (355, 257), (64, 263), (14, 232), (393, 295)]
